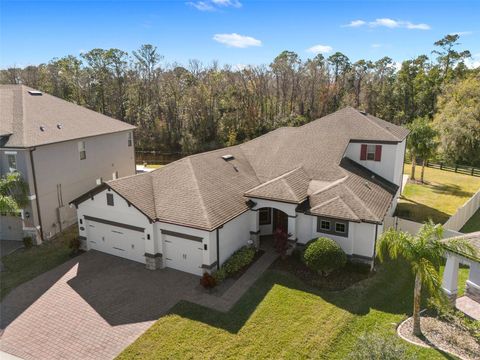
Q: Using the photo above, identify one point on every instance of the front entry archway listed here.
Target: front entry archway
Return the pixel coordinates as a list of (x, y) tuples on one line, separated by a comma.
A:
[(279, 220)]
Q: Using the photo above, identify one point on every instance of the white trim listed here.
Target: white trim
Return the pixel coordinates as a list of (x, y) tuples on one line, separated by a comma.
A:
[(472, 284), (10, 153)]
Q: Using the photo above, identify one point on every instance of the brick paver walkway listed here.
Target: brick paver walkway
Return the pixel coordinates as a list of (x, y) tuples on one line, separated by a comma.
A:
[(95, 305)]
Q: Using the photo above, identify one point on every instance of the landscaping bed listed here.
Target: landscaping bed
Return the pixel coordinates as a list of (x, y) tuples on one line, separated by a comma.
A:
[(337, 280), (446, 336)]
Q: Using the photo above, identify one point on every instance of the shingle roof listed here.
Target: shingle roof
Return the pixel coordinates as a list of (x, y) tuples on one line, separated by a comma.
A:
[(22, 114), (289, 164), (472, 238)]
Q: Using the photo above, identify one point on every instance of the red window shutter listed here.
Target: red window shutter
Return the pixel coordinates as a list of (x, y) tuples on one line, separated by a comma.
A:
[(363, 152), (378, 152)]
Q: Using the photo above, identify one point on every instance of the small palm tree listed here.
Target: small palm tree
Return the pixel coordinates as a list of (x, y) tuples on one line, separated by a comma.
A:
[(13, 192), (424, 252)]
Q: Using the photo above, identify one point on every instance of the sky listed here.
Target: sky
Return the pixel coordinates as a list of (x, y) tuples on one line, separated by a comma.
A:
[(235, 32)]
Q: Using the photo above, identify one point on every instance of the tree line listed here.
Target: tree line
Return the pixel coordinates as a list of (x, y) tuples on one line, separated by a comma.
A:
[(197, 107)]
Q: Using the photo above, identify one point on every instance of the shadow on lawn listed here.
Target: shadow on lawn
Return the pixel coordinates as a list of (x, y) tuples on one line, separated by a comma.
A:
[(415, 211), (450, 189)]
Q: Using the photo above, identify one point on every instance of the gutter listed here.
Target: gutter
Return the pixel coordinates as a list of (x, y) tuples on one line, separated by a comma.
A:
[(32, 163)]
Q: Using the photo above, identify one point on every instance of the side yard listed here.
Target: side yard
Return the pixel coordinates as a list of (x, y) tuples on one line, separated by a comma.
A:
[(281, 317), (439, 198), (26, 264), (473, 224)]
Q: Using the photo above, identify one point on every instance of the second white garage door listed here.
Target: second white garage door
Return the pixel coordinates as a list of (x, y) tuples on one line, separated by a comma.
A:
[(116, 240), (183, 253)]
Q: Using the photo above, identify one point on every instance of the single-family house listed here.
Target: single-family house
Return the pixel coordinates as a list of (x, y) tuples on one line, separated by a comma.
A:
[(337, 176), (62, 150)]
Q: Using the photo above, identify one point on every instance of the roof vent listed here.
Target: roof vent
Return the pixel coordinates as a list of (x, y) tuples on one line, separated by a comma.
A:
[(368, 185), (363, 112), (42, 128), (227, 157), (35, 92), (59, 126)]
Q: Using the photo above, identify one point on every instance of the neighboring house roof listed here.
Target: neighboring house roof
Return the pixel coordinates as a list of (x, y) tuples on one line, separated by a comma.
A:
[(24, 112), (472, 238), (288, 164)]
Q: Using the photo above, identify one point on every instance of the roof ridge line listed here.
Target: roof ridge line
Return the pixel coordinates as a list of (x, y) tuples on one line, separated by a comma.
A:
[(352, 212), (202, 203), (362, 203), (289, 188), (272, 180), (326, 202), (331, 185), (375, 124)]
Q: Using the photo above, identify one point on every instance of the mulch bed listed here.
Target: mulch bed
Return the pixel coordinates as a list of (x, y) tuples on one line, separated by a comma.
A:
[(439, 334), (337, 280)]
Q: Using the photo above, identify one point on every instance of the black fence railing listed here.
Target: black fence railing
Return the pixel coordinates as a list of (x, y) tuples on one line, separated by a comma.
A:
[(461, 169)]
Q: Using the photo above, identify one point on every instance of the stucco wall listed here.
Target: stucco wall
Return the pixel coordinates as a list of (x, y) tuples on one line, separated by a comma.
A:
[(60, 164), (391, 164), (233, 235)]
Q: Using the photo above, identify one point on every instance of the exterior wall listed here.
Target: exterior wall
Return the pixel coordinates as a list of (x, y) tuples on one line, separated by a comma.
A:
[(360, 240), (391, 165), (233, 235), (60, 164), (120, 213)]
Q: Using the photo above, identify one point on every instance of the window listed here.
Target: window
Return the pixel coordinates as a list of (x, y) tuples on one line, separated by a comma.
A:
[(110, 199), (340, 227), (81, 150), (130, 139), (265, 216), (332, 226), (12, 162), (324, 224), (370, 152)]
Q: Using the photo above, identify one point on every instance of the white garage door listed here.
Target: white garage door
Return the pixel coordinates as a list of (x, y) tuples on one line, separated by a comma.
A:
[(183, 252), (116, 240), (11, 228)]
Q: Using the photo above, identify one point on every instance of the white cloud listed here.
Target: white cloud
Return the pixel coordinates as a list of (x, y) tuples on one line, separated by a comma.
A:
[(212, 5), (389, 23), (237, 40), (376, 45), (460, 33), (355, 23), (473, 62), (202, 5), (319, 49)]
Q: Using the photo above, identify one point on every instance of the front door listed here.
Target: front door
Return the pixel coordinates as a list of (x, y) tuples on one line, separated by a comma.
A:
[(280, 220)]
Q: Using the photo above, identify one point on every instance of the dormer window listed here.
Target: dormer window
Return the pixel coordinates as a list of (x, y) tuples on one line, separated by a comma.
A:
[(371, 152)]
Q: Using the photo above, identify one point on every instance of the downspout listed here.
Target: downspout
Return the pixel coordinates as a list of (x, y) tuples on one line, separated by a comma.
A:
[(403, 168), (218, 248), (375, 247), (32, 163)]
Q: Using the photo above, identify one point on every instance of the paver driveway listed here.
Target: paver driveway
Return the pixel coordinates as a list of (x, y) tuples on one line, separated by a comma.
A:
[(90, 307)]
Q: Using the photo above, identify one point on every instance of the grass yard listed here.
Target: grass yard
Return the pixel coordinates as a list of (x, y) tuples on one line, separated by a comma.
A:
[(281, 317), (439, 198), (26, 264), (473, 224)]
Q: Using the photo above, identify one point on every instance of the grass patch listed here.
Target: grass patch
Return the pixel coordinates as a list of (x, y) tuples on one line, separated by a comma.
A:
[(439, 198), (473, 224), (282, 317), (26, 264)]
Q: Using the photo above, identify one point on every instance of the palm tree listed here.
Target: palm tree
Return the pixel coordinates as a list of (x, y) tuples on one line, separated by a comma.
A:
[(424, 252), (13, 192)]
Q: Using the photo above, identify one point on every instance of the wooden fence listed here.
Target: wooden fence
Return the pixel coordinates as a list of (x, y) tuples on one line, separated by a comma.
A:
[(461, 169)]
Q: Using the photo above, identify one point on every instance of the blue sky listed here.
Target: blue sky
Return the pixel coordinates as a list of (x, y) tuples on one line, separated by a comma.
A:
[(236, 32)]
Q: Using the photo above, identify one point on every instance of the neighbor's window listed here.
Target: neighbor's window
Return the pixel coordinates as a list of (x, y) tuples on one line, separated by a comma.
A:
[(12, 162), (109, 199), (370, 152), (81, 150), (130, 139), (265, 216)]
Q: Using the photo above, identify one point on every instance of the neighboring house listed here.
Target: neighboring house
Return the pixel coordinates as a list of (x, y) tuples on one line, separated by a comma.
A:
[(61, 150), (338, 177)]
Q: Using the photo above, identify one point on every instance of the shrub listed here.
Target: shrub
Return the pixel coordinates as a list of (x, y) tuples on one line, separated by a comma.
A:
[(375, 347), (324, 255), (220, 275), (208, 281), (239, 259), (27, 242)]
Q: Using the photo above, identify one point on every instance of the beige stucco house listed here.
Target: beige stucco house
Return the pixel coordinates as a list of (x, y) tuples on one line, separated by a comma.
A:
[(62, 150)]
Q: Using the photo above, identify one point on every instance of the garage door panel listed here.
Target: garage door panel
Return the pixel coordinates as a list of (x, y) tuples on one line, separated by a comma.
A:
[(122, 242), (183, 254)]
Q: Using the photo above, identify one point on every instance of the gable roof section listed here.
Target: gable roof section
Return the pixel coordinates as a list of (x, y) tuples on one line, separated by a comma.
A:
[(290, 187), (22, 115), (303, 165)]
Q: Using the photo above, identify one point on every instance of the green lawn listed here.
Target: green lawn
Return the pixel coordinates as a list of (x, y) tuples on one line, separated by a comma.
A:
[(438, 199), (26, 264), (473, 224), (280, 317)]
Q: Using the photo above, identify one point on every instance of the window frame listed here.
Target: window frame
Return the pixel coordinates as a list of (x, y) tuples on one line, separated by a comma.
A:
[(344, 227), (329, 228), (371, 154), (333, 226), (14, 157), (130, 139), (110, 199), (268, 220), (82, 150)]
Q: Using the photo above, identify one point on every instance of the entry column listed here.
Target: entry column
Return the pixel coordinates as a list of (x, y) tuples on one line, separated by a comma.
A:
[(472, 289), (450, 277), (255, 228)]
